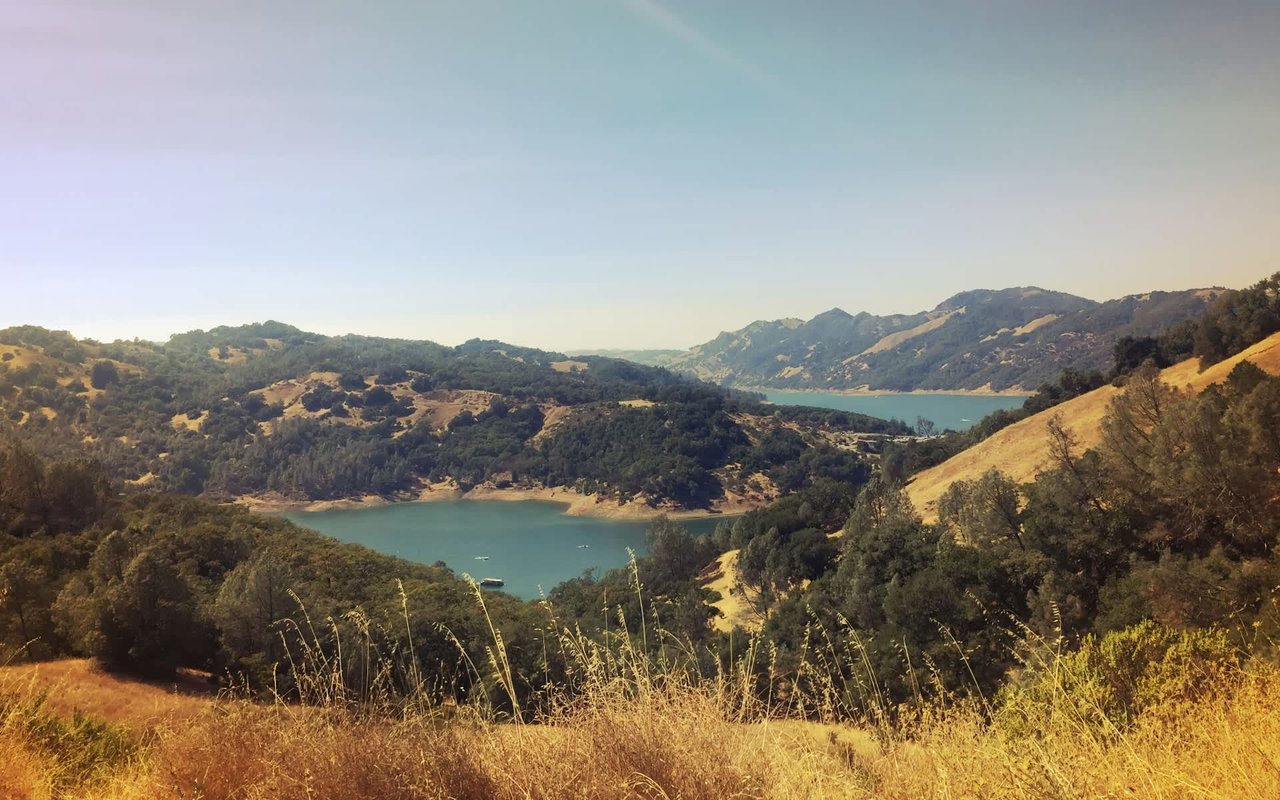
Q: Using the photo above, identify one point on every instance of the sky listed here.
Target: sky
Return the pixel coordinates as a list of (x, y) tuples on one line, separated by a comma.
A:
[(575, 174)]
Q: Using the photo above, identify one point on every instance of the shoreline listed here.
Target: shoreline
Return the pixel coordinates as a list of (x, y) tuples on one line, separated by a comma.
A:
[(575, 504), (894, 392)]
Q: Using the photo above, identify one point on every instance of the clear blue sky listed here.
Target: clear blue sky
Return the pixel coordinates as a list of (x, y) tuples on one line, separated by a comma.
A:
[(596, 173)]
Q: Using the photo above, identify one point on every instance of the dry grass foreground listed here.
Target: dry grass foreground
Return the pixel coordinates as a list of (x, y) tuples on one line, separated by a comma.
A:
[(677, 742), (1021, 450), (75, 685)]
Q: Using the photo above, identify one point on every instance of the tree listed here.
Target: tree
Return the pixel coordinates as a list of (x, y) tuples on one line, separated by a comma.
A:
[(674, 555), (254, 597), (1130, 352), (352, 382), (22, 474), (1130, 422), (104, 374), (983, 512), (143, 622), (25, 596)]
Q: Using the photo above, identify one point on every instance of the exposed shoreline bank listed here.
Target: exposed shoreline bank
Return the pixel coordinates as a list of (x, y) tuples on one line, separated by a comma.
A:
[(576, 504), (860, 392)]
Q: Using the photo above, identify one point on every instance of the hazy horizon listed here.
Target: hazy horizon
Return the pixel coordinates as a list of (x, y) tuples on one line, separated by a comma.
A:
[(164, 336), (627, 174)]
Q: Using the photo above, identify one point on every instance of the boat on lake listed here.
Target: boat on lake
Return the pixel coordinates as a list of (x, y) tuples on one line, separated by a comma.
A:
[(492, 583)]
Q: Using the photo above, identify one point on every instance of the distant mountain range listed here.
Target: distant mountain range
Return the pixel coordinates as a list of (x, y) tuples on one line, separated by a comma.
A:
[(1011, 339)]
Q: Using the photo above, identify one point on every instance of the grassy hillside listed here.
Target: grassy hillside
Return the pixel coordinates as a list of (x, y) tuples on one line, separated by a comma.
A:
[(269, 410), (1106, 627), (1021, 450), (653, 735), (1010, 339)]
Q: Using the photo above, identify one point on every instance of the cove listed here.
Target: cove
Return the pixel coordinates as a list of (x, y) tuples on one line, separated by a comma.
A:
[(530, 544), (958, 412)]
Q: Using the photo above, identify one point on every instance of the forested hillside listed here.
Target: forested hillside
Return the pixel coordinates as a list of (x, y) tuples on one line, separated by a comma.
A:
[(1117, 610), (268, 408), (147, 583), (1010, 339), (1167, 518)]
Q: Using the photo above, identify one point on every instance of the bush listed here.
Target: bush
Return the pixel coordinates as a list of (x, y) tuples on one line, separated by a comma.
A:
[(84, 748), (104, 374), (1108, 682), (352, 382)]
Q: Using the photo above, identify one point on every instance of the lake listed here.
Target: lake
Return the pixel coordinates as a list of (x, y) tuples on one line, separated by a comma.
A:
[(956, 411), (530, 544)]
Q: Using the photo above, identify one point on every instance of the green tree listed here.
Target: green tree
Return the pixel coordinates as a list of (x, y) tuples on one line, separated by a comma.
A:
[(254, 597), (145, 621), (26, 594), (983, 512), (104, 374)]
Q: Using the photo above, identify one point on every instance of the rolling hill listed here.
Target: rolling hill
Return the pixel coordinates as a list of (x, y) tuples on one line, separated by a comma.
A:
[(270, 411), (1012, 339)]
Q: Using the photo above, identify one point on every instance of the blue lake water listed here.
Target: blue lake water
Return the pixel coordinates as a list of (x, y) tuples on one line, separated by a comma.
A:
[(955, 411), (530, 544)]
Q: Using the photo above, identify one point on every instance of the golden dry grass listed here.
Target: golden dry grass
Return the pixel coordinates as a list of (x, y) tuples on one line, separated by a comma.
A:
[(235, 355), (1021, 450), (77, 685), (440, 406), (1034, 325), (181, 422), (735, 610), (894, 339), (24, 775), (554, 416), (643, 726), (682, 742)]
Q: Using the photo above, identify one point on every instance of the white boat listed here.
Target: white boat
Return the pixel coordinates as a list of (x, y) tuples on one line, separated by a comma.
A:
[(492, 583), (482, 558)]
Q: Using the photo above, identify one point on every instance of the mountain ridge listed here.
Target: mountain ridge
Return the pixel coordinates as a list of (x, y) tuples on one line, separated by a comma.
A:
[(1007, 339)]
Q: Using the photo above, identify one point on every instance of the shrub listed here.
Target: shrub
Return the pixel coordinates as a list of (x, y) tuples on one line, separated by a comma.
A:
[(104, 374), (1107, 683)]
